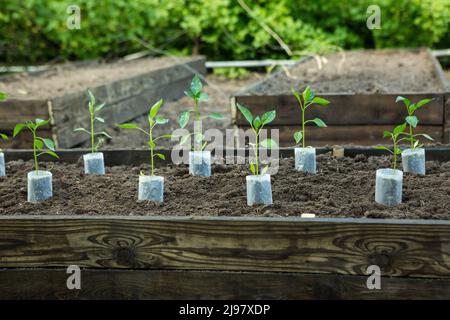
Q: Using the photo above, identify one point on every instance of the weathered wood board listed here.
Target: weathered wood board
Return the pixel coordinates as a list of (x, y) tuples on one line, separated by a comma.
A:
[(125, 100)]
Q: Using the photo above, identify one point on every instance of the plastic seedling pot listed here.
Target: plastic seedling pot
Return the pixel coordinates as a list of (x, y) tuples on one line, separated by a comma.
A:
[(200, 163), (388, 187), (94, 163), (151, 188), (259, 189), (39, 186), (2, 165), (305, 160), (413, 161)]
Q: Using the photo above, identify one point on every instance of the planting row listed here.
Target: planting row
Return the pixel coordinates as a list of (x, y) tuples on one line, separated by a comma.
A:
[(388, 190)]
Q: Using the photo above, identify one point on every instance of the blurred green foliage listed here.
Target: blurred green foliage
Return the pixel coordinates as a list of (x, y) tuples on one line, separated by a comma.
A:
[(34, 31)]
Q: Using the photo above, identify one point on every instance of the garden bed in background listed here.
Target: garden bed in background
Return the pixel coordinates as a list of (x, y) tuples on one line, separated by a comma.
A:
[(250, 253), (362, 87), (60, 94)]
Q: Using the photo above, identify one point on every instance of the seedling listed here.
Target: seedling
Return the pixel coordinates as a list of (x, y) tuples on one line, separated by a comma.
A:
[(153, 120), (395, 137), (38, 142), (93, 110), (413, 121), (305, 100), (257, 123), (196, 94)]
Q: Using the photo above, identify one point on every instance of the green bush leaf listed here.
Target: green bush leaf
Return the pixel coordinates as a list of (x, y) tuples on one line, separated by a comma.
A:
[(252, 168), (103, 133), (216, 116), (246, 113), (406, 101), (39, 144), (41, 122), (320, 101), (81, 130), (190, 94), (51, 153), (257, 122), (387, 134), (196, 85), (3, 96), (268, 144), (383, 148), (49, 144), (419, 104), (412, 120), (298, 136), (319, 122), (18, 128), (161, 156), (4, 136), (268, 117), (296, 94), (123, 126), (99, 107), (399, 129), (308, 95), (100, 119), (161, 120), (426, 136), (155, 108), (183, 119), (203, 96)]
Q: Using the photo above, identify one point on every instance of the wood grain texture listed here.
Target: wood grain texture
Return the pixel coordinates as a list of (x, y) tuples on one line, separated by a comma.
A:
[(14, 111), (338, 246), (194, 285), (346, 109), (367, 135)]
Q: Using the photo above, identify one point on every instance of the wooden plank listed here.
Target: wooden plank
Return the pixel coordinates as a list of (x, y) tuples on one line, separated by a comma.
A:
[(438, 71), (19, 284), (333, 135), (14, 111), (405, 248), (24, 140), (345, 109)]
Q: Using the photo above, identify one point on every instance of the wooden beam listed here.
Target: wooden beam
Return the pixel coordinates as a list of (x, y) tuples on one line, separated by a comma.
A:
[(401, 248), (345, 109), (14, 111), (19, 284)]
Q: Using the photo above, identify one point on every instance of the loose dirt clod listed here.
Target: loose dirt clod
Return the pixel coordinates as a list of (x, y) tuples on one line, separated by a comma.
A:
[(342, 187)]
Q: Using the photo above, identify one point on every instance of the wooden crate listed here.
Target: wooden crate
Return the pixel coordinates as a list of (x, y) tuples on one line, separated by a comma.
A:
[(134, 257), (351, 118), (125, 100)]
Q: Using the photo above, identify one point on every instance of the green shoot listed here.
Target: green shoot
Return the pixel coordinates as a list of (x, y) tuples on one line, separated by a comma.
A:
[(38, 142), (196, 94), (93, 110), (413, 121), (395, 137), (257, 123), (305, 100), (3, 96), (153, 120)]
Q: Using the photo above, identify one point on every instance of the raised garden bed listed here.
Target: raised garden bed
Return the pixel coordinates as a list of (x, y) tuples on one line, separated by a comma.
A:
[(247, 254), (60, 94), (362, 87)]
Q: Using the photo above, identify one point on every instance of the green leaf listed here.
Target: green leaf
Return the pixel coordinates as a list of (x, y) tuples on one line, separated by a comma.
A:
[(406, 101), (252, 168), (183, 119), (51, 153), (128, 126), (320, 101), (269, 143), (264, 170), (397, 151), (103, 133), (18, 128), (100, 119), (4, 136), (419, 104), (296, 94), (387, 134), (399, 129), (190, 94), (3, 96), (196, 85), (161, 156), (383, 148), (99, 107), (268, 117), (41, 122), (298, 136), (307, 94), (246, 113), (155, 108), (161, 120), (216, 116), (49, 143), (184, 139), (412, 120), (318, 122), (257, 122), (91, 97), (81, 130), (203, 96), (165, 136), (151, 144), (426, 136), (39, 144)]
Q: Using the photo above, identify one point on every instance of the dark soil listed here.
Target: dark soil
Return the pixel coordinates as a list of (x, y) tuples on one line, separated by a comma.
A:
[(69, 77), (387, 71), (343, 187)]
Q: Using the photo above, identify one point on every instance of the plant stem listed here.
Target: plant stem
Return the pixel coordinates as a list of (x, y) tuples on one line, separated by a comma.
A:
[(92, 132), (197, 122), (257, 153), (151, 151), (395, 154), (411, 136), (303, 127), (36, 165)]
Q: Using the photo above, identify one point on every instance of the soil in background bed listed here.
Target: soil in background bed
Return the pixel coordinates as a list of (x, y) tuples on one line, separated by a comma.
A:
[(343, 187), (69, 78), (386, 71)]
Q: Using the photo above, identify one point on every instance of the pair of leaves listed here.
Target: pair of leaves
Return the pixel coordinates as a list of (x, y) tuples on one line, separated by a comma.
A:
[(254, 171), (308, 97), (195, 92), (257, 122), (412, 107), (30, 125)]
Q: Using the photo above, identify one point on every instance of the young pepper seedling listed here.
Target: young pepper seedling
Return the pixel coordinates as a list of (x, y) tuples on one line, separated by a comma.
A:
[(153, 120), (257, 123)]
